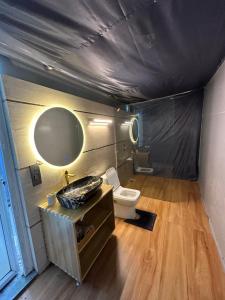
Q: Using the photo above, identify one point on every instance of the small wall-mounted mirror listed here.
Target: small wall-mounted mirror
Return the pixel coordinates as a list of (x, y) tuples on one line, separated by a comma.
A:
[(134, 130), (58, 136)]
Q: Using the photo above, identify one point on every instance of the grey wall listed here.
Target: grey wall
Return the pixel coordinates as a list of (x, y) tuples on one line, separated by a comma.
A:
[(104, 147), (212, 156)]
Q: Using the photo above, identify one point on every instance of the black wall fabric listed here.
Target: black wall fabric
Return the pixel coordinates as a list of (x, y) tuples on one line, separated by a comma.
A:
[(171, 128), (130, 50)]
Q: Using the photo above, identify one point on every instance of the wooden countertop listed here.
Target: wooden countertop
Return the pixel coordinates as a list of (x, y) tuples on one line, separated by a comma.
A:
[(77, 214)]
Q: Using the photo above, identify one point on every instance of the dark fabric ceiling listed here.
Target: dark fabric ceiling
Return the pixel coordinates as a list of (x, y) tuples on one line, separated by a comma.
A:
[(132, 50)]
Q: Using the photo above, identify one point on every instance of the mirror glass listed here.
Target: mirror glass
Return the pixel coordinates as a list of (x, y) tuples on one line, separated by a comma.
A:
[(58, 136), (134, 130)]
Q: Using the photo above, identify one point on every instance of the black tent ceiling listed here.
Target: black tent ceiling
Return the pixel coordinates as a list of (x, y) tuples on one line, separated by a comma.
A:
[(132, 50)]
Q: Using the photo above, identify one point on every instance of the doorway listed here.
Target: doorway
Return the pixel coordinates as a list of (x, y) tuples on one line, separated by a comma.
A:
[(9, 254), (16, 263)]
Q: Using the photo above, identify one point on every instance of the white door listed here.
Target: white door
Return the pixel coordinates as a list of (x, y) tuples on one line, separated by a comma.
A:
[(4, 258), (8, 264)]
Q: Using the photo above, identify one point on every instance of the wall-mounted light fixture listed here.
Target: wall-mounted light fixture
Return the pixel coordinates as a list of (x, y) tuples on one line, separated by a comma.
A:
[(100, 122), (134, 130), (126, 123)]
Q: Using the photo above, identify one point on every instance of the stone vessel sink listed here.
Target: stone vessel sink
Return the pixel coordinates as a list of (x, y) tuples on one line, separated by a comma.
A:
[(79, 192)]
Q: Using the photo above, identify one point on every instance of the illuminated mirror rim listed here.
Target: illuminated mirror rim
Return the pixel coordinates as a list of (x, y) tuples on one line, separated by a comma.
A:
[(39, 157), (131, 130)]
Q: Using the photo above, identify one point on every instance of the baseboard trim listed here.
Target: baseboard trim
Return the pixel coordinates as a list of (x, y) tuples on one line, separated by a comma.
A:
[(222, 258)]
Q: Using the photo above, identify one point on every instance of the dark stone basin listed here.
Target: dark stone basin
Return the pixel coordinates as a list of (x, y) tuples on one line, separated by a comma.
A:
[(79, 192)]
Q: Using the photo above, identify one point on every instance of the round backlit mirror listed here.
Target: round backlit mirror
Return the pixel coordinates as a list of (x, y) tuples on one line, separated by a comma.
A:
[(58, 136), (134, 130)]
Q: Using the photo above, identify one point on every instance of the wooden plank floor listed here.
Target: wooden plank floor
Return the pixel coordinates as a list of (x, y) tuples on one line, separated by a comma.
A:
[(177, 261)]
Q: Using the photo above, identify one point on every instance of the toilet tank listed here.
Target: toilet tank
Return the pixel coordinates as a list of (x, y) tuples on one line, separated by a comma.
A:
[(104, 179), (112, 178)]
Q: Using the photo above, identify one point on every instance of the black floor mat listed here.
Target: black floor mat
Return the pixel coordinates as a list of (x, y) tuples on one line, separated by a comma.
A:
[(146, 221)]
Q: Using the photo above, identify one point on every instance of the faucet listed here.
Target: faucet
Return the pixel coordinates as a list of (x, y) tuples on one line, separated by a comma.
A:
[(67, 177)]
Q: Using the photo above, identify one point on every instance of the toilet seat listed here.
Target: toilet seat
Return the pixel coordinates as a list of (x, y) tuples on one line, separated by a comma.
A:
[(127, 197)]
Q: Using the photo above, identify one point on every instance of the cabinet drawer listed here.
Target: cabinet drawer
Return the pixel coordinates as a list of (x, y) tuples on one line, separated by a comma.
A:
[(90, 253)]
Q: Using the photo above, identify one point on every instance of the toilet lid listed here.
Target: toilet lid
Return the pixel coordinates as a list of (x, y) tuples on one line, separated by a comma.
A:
[(112, 178)]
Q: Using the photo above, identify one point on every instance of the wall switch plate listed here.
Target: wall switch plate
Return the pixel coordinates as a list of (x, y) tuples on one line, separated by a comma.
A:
[(35, 174)]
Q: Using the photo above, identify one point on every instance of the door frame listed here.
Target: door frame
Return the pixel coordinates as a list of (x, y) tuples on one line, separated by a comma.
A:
[(7, 233), (12, 180)]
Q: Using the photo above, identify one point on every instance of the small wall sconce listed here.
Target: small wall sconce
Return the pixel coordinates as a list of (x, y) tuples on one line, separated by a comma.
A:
[(100, 122), (126, 123)]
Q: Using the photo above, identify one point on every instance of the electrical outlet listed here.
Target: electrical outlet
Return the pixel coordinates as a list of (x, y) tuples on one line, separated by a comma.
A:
[(35, 174)]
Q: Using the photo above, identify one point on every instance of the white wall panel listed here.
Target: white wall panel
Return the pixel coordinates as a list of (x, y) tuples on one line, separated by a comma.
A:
[(123, 150), (122, 131), (23, 102), (39, 251), (20, 90), (53, 178), (125, 172), (212, 156), (23, 116), (214, 93)]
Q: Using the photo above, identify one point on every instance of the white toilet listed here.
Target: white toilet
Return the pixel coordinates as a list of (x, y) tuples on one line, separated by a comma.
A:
[(125, 199)]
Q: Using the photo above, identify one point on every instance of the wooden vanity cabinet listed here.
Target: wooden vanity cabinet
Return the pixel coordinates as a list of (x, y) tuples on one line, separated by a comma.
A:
[(60, 232)]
